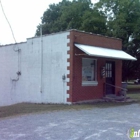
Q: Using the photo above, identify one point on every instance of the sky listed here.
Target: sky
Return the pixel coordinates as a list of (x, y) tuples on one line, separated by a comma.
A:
[(23, 16)]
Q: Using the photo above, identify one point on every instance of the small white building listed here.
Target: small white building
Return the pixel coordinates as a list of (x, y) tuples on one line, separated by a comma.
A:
[(32, 71), (43, 69)]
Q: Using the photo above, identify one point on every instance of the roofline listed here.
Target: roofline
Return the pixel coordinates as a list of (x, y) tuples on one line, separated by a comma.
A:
[(12, 44), (60, 32), (70, 30), (96, 34)]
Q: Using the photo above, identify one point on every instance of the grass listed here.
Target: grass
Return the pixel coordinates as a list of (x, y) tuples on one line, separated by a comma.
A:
[(134, 92), (133, 89), (26, 108), (135, 96)]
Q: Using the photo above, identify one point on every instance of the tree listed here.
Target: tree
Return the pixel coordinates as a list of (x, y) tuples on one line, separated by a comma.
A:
[(114, 18), (123, 22), (93, 21), (76, 14)]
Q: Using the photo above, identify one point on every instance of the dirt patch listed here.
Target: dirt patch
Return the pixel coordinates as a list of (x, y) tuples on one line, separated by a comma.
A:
[(26, 108)]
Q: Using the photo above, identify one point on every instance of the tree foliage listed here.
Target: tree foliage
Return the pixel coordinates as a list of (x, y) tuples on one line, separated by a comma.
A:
[(76, 14), (123, 20), (114, 18)]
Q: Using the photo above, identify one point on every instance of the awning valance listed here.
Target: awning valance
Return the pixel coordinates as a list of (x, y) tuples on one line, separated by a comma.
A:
[(105, 52)]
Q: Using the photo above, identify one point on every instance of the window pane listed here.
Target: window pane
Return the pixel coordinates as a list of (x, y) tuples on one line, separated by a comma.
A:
[(111, 67), (88, 69), (110, 73), (106, 74)]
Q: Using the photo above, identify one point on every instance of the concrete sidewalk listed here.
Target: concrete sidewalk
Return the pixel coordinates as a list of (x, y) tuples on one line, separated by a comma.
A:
[(94, 124)]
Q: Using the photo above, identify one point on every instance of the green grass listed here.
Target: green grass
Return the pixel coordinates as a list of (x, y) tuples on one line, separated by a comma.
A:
[(134, 92), (133, 89), (135, 96)]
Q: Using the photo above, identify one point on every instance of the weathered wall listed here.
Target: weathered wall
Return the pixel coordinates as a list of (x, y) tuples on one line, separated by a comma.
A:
[(28, 87), (58, 59), (8, 69)]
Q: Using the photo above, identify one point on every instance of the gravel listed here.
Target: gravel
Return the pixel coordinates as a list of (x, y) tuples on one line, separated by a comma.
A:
[(110, 123)]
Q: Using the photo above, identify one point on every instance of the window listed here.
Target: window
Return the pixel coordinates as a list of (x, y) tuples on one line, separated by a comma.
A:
[(89, 72), (108, 70)]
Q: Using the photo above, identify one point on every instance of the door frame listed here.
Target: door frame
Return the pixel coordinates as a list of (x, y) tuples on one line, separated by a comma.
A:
[(110, 77)]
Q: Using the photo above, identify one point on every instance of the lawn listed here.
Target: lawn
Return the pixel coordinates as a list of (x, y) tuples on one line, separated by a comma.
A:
[(24, 108), (27, 108), (134, 91)]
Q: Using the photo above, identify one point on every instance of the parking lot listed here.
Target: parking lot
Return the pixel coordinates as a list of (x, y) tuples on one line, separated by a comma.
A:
[(110, 123)]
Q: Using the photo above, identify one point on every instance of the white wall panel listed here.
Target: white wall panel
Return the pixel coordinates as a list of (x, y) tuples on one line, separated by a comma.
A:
[(27, 88)]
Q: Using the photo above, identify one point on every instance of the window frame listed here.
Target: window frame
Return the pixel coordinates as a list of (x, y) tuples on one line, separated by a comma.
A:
[(90, 83)]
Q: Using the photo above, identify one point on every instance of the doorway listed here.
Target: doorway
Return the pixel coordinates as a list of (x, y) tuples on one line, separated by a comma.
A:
[(110, 77)]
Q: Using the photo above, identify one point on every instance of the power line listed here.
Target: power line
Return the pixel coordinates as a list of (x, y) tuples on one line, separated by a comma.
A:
[(7, 21)]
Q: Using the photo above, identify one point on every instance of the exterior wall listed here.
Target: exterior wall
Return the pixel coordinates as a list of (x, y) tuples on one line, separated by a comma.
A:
[(8, 69), (96, 40), (55, 66), (28, 87), (41, 81), (118, 75), (77, 91), (87, 92), (70, 60)]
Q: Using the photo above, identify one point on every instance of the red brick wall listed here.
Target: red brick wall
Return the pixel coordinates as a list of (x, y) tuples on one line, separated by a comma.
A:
[(118, 75), (86, 92), (70, 68), (96, 40), (78, 92)]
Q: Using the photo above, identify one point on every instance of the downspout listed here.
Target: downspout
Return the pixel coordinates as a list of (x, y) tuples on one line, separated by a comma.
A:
[(41, 81), (19, 64)]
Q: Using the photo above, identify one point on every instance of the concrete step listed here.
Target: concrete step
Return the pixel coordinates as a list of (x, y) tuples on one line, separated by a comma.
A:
[(113, 97)]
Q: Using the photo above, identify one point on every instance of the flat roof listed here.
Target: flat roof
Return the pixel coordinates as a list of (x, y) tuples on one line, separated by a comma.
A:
[(69, 30)]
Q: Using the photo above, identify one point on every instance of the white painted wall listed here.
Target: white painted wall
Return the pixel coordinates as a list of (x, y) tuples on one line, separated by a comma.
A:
[(27, 88)]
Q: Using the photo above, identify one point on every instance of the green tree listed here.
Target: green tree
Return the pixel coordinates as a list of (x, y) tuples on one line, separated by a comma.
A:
[(76, 14), (93, 21), (123, 20), (115, 18)]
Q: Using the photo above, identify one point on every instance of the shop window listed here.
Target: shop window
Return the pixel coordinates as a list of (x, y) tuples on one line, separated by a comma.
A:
[(89, 72)]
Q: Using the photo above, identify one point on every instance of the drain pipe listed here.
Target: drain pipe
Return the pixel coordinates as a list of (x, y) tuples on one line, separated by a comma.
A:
[(41, 39), (19, 64)]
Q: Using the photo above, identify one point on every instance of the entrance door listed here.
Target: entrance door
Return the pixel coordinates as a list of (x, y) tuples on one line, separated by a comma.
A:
[(110, 77)]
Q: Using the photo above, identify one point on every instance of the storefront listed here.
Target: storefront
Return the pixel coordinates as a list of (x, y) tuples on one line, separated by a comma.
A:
[(96, 66)]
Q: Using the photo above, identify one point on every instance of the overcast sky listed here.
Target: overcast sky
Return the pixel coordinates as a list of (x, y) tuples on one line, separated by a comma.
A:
[(24, 16)]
